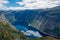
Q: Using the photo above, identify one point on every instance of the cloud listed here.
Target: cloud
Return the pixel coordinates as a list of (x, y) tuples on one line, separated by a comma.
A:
[(36, 4), (2, 2), (15, 8), (33, 4), (34, 33)]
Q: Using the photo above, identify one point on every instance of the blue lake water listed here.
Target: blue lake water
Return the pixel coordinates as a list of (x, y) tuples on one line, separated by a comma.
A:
[(21, 28)]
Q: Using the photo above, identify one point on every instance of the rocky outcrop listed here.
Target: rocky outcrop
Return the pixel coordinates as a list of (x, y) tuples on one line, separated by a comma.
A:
[(8, 31), (48, 22), (2, 17)]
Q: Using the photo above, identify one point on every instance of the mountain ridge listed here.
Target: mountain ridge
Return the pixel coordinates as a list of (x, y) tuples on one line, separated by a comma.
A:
[(36, 18)]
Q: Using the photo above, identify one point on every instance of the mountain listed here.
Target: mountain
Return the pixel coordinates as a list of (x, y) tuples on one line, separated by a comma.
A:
[(48, 22), (21, 23), (45, 20), (8, 31)]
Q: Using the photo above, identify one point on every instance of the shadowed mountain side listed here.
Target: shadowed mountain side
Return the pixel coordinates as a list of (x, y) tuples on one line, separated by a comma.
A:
[(45, 20)]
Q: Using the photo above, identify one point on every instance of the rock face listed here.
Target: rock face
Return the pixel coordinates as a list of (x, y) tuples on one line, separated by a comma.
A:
[(2, 18), (46, 20), (7, 31)]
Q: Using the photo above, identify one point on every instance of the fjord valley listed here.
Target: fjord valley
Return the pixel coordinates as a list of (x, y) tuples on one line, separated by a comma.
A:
[(23, 24)]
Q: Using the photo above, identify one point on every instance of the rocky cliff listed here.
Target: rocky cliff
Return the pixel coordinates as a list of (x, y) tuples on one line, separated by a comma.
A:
[(8, 31), (45, 20)]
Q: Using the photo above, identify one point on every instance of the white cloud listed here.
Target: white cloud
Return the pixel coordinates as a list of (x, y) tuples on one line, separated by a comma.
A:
[(34, 33), (33, 4), (2, 2), (36, 4), (15, 8)]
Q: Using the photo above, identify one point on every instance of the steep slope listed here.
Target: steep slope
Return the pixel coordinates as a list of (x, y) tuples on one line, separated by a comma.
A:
[(46, 20), (49, 22), (8, 32)]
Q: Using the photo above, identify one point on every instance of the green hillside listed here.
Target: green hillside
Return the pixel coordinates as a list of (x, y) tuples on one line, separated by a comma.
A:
[(44, 38), (9, 33)]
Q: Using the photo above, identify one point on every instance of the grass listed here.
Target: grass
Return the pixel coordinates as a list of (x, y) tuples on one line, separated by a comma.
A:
[(7, 32)]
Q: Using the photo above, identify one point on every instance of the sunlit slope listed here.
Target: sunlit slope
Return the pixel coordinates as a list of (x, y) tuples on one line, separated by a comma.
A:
[(8, 31)]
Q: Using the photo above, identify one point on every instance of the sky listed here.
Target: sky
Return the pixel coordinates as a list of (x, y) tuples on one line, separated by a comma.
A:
[(27, 4)]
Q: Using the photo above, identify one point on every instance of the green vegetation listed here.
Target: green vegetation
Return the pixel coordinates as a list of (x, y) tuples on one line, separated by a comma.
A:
[(8, 33), (43, 38)]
